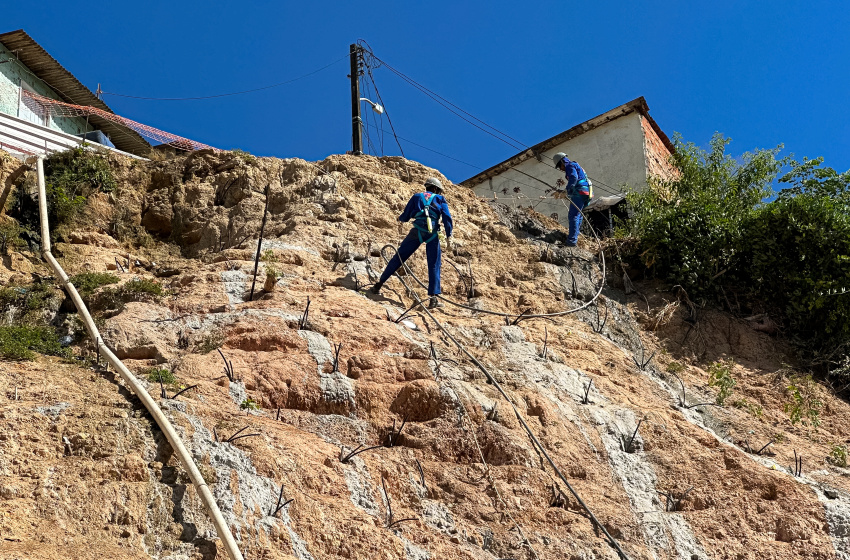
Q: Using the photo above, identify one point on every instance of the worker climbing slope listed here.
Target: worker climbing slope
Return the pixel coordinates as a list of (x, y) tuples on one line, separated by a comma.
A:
[(579, 190), (426, 209)]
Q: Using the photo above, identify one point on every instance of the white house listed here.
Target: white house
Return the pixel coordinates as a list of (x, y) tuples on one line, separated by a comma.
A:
[(617, 149), (27, 128)]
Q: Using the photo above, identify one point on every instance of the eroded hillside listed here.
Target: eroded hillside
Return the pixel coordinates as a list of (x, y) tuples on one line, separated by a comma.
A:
[(84, 472)]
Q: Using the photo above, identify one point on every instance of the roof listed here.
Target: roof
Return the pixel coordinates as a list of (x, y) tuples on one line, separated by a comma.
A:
[(636, 105), (70, 90)]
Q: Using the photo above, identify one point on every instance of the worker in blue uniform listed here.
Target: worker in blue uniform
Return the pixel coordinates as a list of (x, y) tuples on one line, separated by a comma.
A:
[(579, 190), (426, 209)]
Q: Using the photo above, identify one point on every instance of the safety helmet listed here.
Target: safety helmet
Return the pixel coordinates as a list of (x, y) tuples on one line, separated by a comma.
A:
[(434, 182), (558, 157)]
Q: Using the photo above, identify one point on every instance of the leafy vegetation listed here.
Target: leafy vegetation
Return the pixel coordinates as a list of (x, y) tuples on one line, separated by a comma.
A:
[(70, 177), (720, 376), (137, 289), (155, 374), (87, 282), (249, 404), (838, 455), (714, 230), (21, 342), (804, 405), (26, 303)]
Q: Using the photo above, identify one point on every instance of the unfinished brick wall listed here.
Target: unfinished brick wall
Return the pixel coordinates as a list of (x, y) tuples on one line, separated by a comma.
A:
[(656, 153)]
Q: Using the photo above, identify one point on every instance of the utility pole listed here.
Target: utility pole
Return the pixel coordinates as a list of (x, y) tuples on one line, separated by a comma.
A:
[(356, 131)]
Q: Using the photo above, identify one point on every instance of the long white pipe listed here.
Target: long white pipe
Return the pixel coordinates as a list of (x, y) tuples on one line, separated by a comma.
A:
[(204, 492)]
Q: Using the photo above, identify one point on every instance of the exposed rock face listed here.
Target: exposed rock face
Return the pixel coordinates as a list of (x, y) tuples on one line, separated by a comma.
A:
[(83, 473)]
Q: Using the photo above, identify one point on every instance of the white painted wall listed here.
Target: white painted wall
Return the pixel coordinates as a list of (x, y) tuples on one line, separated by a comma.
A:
[(613, 154)]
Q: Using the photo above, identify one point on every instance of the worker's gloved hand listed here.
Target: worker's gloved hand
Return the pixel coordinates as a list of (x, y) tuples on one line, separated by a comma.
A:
[(560, 182), (559, 194)]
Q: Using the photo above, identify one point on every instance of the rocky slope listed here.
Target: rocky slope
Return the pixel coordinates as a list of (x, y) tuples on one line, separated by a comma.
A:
[(84, 472)]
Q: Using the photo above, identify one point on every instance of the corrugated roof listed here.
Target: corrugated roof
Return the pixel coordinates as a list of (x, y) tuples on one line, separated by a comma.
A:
[(638, 105), (70, 90)]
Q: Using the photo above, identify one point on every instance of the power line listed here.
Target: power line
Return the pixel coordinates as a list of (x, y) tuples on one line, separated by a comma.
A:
[(230, 93), (431, 150), (514, 143)]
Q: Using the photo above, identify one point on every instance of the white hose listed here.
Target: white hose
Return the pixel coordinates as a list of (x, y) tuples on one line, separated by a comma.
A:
[(203, 490)]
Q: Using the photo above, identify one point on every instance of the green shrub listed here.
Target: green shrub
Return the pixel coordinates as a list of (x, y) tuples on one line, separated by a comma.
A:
[(209, 342), (155, 374), (143, 287), (798, 258), (22, 342), (714, 231), (87, 282), (720, 376), (690, 227), (675, 367), (70, 177), (10, 236), (804, 405), (26, 303), (137, 289), (249, 404), (838, 455), (752, 408)]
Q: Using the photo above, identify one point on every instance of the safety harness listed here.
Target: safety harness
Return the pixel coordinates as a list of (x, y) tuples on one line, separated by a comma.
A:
[(427, 197)]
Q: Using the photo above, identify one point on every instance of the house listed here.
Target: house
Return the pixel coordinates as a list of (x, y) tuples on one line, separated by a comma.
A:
[(618, 149), (28, 127)]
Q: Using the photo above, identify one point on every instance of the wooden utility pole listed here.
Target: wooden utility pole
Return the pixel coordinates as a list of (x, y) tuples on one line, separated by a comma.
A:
[(356, 131)]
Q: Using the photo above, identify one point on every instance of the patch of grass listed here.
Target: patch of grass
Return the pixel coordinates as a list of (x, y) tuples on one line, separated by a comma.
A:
[(720, 376), (168, 377), (87, 282), (209, 342), (752, 408), (244, 156), (137, 289), (675, 367), (22, 342)]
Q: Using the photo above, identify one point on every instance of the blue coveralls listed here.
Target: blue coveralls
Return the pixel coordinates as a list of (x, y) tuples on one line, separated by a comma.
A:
[(419, 234), (580, 192)]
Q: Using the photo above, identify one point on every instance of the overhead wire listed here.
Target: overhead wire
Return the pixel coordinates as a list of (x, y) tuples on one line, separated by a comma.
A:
[(242, 92), (493, 131)]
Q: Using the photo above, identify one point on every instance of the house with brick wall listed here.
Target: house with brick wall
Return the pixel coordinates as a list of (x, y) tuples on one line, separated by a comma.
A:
[(620, 150)]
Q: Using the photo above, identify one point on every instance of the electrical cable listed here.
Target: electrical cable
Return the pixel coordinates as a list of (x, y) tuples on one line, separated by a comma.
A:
[(368, 66), (230, 93), (512, 142)]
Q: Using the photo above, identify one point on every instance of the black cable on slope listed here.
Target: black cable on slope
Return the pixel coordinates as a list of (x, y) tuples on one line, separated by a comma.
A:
[(502, 392)]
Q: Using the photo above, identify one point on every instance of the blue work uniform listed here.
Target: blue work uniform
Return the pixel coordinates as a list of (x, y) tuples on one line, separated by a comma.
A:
[(419, 204), (580, 191)]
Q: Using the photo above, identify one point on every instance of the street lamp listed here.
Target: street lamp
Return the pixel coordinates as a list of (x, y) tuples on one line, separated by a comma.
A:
[(375, 107)]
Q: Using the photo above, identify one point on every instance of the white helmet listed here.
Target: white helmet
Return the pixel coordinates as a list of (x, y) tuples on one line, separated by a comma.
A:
[(557, 158), (434, 182)]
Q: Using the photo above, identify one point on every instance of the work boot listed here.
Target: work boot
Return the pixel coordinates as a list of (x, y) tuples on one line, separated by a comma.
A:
[(435, 303), (376, 287)]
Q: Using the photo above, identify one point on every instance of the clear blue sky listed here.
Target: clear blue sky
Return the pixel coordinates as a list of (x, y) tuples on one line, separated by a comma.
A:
[(762, 73)]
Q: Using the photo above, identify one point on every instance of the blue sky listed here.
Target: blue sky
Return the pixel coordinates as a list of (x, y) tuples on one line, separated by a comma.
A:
[(763, 73)]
